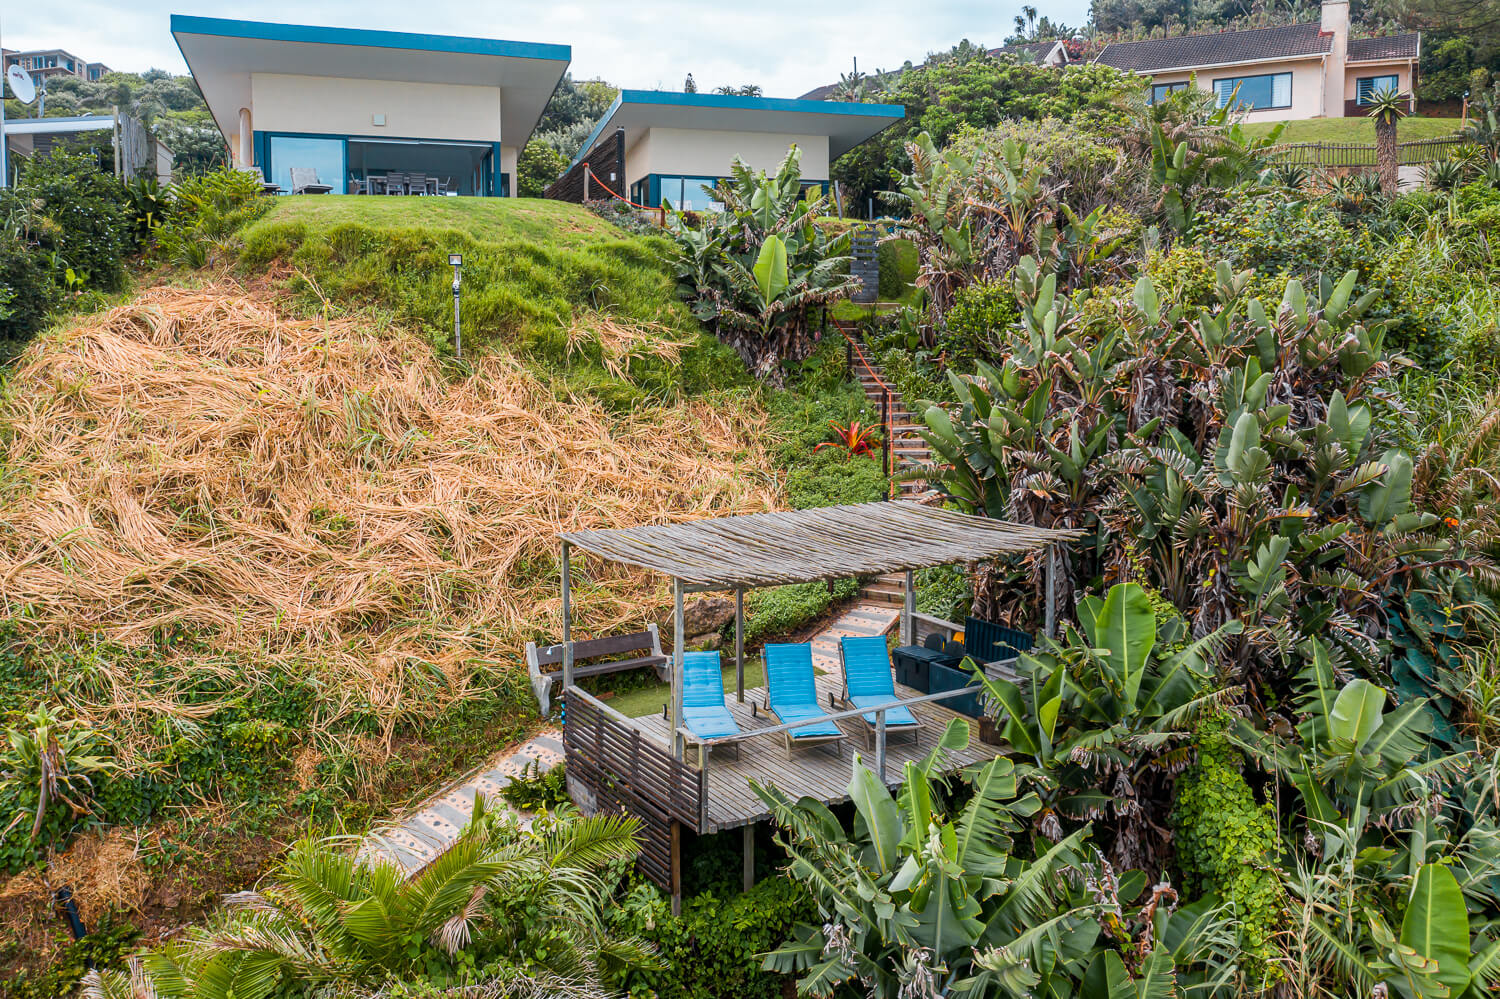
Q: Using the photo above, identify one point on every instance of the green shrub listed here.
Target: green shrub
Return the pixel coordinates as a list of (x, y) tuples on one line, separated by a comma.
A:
[(781, 610), (1227, 844), (27, 294), (201, 212), (76, 216), (898, 268), (711, 951), (535, 789), (944, 591), (979, 314)]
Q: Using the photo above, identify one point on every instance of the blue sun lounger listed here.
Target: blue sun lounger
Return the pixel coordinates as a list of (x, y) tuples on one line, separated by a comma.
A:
[(868, 682), (792, 696), (703, 710)]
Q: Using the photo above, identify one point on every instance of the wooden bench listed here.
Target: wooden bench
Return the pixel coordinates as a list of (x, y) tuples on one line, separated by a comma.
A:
[(545, 663)]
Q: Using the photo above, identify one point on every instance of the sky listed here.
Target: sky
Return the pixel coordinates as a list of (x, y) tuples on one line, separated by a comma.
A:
[(786, 46)]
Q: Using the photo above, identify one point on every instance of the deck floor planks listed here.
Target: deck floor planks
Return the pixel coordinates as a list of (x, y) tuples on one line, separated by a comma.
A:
[(815, 772)]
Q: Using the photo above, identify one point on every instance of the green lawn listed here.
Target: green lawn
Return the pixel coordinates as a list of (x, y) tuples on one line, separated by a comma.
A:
[(642, 701), (1356, 129), (537, 220)]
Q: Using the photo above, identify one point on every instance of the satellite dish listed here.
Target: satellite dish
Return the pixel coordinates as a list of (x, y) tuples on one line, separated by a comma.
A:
[(20, 84)]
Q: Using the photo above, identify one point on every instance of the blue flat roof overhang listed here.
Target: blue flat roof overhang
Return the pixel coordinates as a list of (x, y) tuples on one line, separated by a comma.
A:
[(846, 124), (222, 54)]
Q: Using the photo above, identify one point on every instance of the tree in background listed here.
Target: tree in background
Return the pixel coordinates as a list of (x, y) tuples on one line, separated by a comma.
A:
[(748, 90), (571, 115), (690, 85), (969, 89), (539, 165), (170, 106)]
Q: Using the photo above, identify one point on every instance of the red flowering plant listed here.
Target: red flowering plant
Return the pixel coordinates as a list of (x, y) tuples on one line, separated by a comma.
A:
[(855, 438)]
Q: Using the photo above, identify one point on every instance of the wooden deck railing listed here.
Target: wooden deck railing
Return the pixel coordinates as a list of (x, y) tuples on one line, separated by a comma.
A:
[(626, 770)]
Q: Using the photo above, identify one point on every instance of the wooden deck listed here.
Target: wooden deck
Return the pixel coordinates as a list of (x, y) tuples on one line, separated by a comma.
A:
[(729, 801)]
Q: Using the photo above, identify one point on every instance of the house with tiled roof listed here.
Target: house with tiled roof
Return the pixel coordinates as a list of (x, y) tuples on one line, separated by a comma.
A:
[(1312, 70)]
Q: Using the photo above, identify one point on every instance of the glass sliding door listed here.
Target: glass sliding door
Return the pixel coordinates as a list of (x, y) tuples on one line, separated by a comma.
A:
[(324, 156)]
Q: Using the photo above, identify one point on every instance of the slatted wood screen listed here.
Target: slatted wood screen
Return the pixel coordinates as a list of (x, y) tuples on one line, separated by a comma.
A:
[(624, 771)]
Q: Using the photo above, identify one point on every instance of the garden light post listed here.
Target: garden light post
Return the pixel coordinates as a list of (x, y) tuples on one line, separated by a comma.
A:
[(457, 260)]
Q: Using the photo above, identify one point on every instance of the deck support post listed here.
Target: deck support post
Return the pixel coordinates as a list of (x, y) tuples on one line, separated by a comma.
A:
[(678, 648), (749, 881), (908, 608), (676, 868), (739, 643), (1051, 583), (880, 745), (567, 616)]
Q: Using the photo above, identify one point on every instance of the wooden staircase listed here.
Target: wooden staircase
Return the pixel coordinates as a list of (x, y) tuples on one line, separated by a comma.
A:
[(907, 451)]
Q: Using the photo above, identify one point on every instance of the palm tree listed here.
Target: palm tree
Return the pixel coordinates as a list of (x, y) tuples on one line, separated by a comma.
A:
[(1387, 107), (332, 918)]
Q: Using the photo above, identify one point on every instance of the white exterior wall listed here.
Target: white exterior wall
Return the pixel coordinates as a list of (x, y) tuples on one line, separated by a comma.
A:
[(508, 157), (1307, 85), (327, 105), (710, 153)]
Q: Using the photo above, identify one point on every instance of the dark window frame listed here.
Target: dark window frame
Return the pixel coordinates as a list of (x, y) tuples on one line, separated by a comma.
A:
[(1362, 97), (1241, 80)]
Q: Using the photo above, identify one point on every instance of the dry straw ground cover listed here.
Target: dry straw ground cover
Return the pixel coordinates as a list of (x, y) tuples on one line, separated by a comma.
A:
[(318, 496)]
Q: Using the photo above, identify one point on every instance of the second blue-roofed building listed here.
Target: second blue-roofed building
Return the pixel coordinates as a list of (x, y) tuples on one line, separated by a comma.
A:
[(653, 146)]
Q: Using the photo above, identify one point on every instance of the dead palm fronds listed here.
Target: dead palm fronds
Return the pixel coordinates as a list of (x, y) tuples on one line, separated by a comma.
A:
[(314, 497)]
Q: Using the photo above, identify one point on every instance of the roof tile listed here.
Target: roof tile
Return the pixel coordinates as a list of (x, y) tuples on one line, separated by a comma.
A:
[(1389, 47), (1188, 51)]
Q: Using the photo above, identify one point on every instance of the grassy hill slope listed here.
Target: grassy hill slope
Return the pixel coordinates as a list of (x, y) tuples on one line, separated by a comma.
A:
[(569, 290), (1360, 130)]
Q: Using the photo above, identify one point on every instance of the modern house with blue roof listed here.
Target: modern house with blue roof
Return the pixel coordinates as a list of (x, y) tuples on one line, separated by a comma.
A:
[(358, 106), (668, 146)]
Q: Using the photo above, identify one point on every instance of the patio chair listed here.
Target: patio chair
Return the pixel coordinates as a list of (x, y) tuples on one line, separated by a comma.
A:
[(416, 183), (305, 181), (703, 710), (792, 696), (868, 682), (395, 183)]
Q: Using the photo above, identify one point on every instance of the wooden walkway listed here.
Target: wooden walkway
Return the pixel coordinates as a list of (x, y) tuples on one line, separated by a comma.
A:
[(730, 802)]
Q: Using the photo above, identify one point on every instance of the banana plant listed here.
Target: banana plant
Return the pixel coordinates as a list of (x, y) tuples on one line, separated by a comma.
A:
[(1099, 709), (919, 899)]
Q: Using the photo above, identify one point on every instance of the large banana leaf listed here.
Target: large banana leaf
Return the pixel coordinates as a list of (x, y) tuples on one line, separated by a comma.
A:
[(1436, 925), (1123, 626), (878, 817)]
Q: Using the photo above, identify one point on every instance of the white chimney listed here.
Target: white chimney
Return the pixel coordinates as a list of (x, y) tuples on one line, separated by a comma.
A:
[(1335, 21)]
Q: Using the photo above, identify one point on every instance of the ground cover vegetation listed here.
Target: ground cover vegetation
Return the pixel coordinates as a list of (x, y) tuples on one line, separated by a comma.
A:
[(1259, 758), (169, 729)]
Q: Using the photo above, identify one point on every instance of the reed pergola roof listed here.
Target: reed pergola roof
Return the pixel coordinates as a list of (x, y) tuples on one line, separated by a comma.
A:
[(802, 546)]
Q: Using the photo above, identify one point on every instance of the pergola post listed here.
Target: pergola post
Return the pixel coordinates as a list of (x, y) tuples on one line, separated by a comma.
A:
[(749, 876), (1051, 584), (908, 608), (678, 648), (567, 616), (739, 643)]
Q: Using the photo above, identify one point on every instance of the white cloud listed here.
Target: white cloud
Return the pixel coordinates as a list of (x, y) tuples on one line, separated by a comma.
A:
[(785, 46)]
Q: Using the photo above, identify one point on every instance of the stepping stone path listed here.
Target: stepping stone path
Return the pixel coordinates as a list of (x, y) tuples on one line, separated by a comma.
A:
[(415, 840)]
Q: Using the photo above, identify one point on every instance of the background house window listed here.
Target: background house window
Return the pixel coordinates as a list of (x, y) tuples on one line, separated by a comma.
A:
[(1159, 91), (1273, 90), (1366, 87)]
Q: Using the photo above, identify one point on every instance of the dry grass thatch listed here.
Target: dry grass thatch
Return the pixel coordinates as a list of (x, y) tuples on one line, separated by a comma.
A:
[(316, 497)]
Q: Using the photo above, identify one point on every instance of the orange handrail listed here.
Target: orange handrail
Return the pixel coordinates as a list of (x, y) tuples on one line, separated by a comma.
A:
[(886, 422), (588, 169)]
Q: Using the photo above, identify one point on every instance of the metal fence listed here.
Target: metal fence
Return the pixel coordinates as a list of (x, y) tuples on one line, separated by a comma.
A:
[(1356, 154)]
